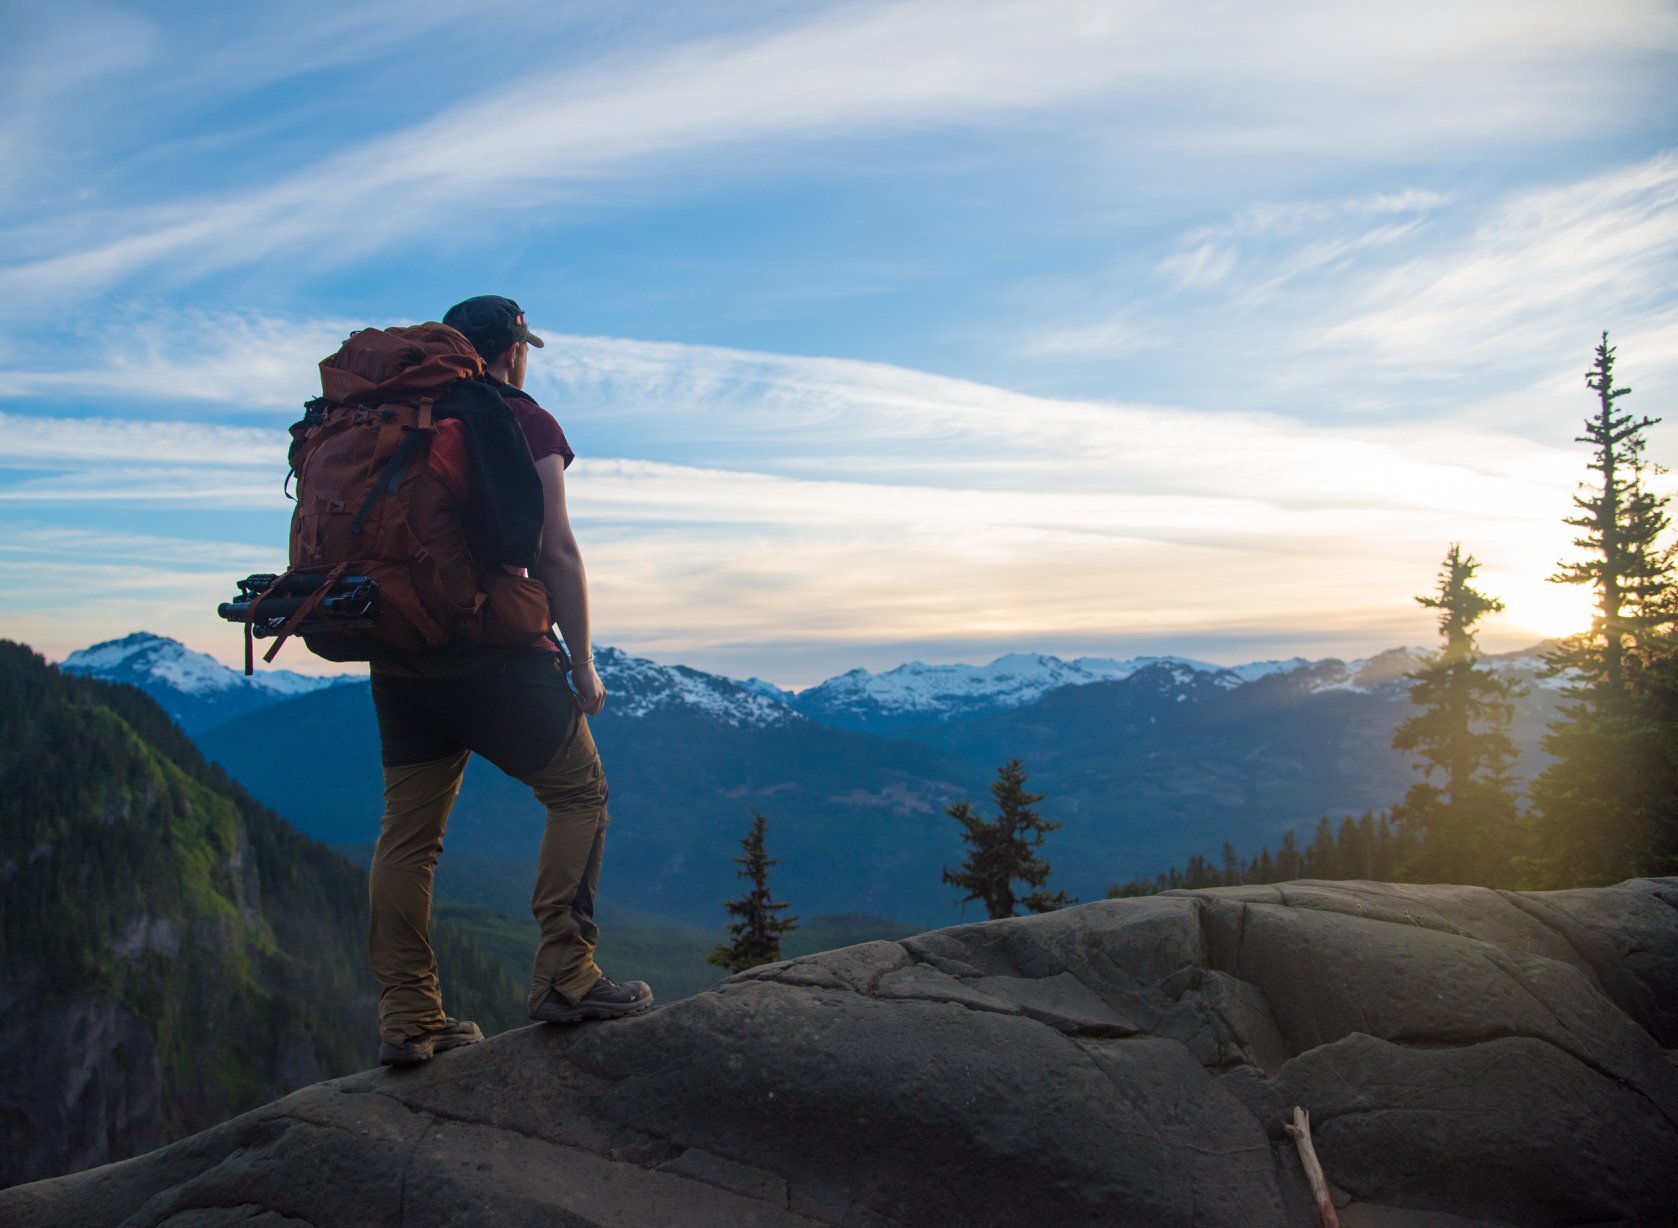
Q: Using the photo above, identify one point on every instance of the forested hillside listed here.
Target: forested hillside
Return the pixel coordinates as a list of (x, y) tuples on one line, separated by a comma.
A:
[(171, 952)]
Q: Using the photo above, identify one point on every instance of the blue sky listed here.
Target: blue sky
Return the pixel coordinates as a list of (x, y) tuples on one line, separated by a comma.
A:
[(883, 331)]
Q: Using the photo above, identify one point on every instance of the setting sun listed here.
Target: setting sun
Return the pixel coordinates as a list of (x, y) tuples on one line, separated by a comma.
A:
[(1536, 605)]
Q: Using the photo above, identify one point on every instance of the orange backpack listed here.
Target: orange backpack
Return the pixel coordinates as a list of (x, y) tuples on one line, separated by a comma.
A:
[(390, 556)]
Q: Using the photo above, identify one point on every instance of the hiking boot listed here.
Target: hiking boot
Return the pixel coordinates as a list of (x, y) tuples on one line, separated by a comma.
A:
[(416, 1049), (607, 1000)]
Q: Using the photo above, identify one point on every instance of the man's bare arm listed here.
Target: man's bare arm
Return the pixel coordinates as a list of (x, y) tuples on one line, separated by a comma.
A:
[(559, 566)]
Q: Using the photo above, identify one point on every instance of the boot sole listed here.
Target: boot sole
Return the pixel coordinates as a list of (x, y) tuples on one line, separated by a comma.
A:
[(413, 1055), (582, 1014)]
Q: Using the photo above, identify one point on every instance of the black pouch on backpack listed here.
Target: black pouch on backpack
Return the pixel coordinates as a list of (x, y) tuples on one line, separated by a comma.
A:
[(504, 517)]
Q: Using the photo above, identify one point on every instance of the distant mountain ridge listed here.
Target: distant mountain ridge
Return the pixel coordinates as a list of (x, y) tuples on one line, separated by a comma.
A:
[(193, 687), (915, 695), (639, 687), (200, 692), (915, 692)]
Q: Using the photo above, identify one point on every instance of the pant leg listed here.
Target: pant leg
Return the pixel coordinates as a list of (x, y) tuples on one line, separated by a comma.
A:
[(572, 786), (418, 798)]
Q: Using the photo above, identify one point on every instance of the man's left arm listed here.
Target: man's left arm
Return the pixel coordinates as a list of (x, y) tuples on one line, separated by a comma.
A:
[(559, 566)]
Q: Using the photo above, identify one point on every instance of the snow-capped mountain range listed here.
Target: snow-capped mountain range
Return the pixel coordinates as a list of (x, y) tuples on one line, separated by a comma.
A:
[(916, 693), (639, 687), (193, 687), (199, 691)]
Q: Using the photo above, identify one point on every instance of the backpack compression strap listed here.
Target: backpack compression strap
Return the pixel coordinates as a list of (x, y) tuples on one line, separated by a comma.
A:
[(308, 607), (390, 481)]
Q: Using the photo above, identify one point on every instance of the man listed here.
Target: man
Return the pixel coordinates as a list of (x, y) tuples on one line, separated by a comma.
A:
[(513, 707)]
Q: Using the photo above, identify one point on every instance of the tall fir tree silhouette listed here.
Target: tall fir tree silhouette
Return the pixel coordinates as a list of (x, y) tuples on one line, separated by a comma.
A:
[(1003, 850), (1465, 823), (1607, 806), (758, 928)]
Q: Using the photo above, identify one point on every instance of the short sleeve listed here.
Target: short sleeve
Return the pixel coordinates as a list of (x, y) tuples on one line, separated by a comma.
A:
[(541, 431)]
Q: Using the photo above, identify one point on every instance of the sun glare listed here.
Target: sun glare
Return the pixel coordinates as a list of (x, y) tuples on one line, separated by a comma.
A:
[(1547, 610)]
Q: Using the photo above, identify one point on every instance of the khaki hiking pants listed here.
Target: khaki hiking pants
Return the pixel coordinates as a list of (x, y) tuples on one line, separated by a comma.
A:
[(518, 713)]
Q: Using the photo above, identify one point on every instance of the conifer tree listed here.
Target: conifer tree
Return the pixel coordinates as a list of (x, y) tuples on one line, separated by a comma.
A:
[(1607, 806), (1198, 873), (758, 929), (1003, 850), (1463, 825), (1287, 864), (1232, 867), (1322, 858), (1354, 847)]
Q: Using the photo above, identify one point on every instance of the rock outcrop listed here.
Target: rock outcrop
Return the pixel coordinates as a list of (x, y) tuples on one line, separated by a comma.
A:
[(78, 1074), (1467, 1056)]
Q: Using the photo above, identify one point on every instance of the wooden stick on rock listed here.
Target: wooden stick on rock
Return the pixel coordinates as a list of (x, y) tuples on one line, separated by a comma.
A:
[(1299, 1130)]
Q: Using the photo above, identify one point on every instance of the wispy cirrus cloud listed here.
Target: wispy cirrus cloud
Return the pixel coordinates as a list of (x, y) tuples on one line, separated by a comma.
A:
[(83, 443), (1271, 218), (1235, 269), (63, 588), (228, 362), (1416, 303), (1312, 80), (75, 548), (1609, 244), (818, 417)]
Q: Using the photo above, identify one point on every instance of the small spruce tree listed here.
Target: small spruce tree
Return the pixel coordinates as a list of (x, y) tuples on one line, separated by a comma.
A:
[(1003, 851), (1606, 807), (1199, 873), (758, 929), (1288, 865), (1463, 826), (1321, 858), (1232, 867)]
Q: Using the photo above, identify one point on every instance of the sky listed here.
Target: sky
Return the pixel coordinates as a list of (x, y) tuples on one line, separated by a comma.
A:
[(932, 329)]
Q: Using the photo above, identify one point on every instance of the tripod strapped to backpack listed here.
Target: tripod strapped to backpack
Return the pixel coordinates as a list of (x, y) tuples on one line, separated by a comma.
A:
[(301, 603)]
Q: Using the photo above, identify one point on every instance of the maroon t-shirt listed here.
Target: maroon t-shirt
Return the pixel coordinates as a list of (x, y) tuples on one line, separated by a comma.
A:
[(545, 437), (541, 431)]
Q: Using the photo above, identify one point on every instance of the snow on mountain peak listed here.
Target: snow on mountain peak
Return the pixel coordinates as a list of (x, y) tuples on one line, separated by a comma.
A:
[(145, 658), (931, 689), (1395, 665), (167, 661), (1255, 670), (768, 690), (112, 653), (938, 692), (639, 686)]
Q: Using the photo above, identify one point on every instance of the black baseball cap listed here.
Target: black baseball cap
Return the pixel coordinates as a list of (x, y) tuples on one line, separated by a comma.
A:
[(491, 323)]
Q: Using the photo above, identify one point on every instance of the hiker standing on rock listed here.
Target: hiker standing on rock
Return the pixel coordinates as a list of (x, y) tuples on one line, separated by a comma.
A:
[(512, 705)]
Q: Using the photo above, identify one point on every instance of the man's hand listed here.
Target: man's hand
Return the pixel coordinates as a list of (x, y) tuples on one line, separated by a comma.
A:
[(591, 694)]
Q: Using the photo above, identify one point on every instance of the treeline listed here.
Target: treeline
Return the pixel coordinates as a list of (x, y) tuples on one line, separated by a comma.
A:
[(1374, 846), (1605, 808)]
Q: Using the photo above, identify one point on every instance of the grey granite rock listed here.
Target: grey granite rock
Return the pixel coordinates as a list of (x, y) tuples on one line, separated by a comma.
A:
[(77, 1075), (1468, 1057)]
